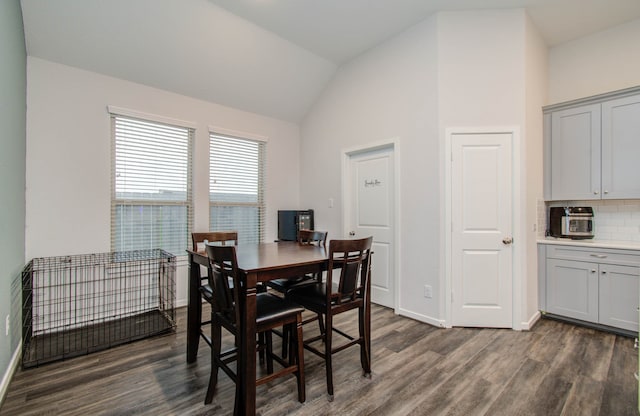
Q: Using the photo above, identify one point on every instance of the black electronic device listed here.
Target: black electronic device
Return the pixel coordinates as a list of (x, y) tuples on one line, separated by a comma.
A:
[(290, 221)]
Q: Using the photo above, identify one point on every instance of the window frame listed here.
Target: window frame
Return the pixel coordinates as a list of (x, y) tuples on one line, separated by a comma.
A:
[(260, 204), (117, 112)]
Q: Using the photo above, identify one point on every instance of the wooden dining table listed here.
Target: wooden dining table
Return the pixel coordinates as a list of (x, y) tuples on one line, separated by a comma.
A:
[(256, 263)]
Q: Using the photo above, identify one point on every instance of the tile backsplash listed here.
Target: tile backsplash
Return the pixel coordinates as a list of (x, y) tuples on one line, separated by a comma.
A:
[(614, 220)]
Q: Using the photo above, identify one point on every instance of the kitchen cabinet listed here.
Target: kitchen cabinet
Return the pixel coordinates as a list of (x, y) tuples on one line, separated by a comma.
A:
[(572, 289), (591, 148), (618, 296), (593, 285), (575, 152), (621, 148)]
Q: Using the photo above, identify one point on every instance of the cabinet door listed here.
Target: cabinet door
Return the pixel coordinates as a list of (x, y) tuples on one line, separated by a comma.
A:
[(621, 148), (572, 289), (618, 303), (575, 153)]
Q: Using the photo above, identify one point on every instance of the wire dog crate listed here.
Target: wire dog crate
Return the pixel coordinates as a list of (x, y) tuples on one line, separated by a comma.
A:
[(75, 305)]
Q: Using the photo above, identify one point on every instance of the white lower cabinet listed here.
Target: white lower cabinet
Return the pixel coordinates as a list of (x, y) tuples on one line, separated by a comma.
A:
[(618, 301), (600, 286), (572, 289)]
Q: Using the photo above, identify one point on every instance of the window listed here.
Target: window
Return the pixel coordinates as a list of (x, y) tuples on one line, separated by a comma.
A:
[(151, 203), (236, 184)]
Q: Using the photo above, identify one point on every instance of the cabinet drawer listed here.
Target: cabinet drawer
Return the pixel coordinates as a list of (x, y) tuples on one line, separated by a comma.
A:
[(602, 256)]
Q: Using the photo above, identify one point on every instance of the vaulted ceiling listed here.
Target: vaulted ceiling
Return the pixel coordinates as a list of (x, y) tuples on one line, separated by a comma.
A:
[(271, 57)]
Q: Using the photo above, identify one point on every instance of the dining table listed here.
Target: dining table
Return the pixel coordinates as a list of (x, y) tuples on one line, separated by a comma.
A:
[(260, 262)]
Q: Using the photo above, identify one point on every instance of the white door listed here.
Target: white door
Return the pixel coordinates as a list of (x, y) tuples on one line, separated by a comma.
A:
[(370, 212), (481, 216)]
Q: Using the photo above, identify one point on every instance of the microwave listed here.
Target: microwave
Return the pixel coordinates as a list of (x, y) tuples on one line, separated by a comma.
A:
[(571, 222)]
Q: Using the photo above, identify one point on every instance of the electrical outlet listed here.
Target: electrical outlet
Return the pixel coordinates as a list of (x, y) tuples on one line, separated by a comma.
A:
[(6, 325), (428, 291)]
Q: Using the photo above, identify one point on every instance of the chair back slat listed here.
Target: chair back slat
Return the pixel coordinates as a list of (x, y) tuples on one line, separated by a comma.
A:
[(312, 237), (219, 237), (352, 258), (223, 279)]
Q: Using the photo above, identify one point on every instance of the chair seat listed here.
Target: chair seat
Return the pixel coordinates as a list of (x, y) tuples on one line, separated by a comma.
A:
[(271, 308), (312, 296), (284, 285)]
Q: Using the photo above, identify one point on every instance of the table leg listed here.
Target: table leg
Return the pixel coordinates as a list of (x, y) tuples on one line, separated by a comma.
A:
[(194, 311), (365, 351), (246, 394)]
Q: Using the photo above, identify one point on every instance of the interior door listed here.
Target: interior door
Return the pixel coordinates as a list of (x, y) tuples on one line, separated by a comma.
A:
[(370, 206), (481, 215)]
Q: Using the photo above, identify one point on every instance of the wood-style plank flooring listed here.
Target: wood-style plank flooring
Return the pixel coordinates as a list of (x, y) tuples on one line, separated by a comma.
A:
[(554, 369)]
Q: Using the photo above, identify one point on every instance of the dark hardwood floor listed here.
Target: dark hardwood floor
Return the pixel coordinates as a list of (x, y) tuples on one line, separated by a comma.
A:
[(554, 369)]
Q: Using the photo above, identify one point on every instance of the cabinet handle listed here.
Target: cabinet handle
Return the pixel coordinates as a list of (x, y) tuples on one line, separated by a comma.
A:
[(606, 192), (595, 192), (600, 256), (593, 270), (604, 272)]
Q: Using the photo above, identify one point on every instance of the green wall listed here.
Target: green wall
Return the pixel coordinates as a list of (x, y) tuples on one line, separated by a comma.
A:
[(13, 108)]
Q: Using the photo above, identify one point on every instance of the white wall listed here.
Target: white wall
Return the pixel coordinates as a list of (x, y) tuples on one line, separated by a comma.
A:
[(456, 69), (68, 162), (389, 92), (492, 74), (536, 87), (12, 166), (481, 68), (595, 64), (194, 48)]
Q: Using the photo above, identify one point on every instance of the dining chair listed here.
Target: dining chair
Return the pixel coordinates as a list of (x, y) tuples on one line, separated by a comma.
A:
[(271, 312), (199, 240), (305, 237), (350, 260)]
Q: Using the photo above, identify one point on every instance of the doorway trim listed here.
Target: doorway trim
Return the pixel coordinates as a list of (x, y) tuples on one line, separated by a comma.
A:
[(518, 271), (393, 144)]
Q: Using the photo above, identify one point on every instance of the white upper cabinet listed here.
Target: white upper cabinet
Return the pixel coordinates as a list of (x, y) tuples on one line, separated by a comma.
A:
[(621, 148), (575, 153), (592, 148)]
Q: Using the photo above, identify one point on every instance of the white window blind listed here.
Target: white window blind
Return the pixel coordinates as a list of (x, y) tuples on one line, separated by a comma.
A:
[(151, 204), (236, 186)]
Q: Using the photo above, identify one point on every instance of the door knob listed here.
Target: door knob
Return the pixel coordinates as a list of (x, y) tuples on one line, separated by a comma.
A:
[(507, 240)]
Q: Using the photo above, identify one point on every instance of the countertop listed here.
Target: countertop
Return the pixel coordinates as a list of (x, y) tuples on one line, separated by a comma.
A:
[(623, 245)]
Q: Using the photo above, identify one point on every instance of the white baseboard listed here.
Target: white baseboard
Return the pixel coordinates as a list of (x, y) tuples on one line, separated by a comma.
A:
[(526, 326), (422, 318), (8, 375)]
